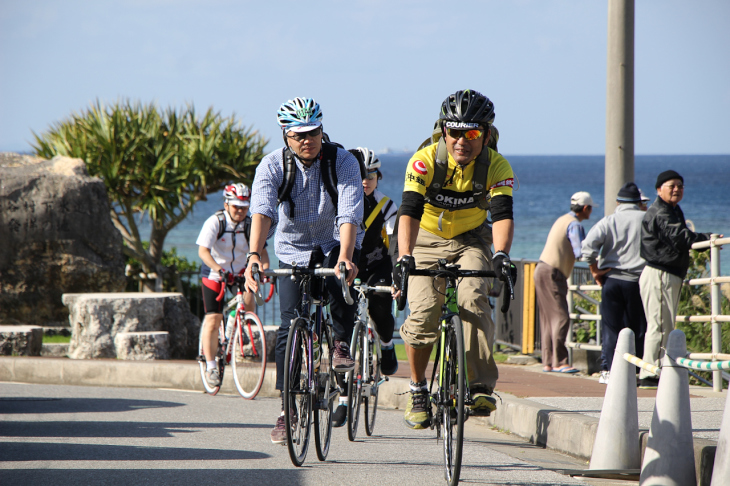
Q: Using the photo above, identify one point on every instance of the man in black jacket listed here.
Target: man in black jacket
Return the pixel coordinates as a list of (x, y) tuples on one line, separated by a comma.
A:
[(665, 245)]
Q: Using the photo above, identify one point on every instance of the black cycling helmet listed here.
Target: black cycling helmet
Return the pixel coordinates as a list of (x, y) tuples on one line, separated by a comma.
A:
[(467, 107)]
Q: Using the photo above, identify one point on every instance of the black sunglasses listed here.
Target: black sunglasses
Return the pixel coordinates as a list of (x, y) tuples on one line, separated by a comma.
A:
[(299, 136)]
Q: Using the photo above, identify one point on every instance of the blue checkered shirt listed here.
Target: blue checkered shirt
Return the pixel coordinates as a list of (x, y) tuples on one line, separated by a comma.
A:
[(316, 221)]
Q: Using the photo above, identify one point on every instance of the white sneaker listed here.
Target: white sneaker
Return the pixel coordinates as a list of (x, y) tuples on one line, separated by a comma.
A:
[(604, 377)]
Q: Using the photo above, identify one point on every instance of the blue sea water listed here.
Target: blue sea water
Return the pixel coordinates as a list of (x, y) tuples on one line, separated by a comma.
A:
[(544, 185)]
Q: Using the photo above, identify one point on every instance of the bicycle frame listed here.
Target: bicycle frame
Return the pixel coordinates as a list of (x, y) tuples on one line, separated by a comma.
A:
[(450, 309)]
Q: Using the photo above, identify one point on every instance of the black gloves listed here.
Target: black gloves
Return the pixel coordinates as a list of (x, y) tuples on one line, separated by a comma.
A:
[(400, 278), (503, 266)]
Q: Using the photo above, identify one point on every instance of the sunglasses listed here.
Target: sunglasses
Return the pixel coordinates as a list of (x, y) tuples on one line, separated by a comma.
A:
[(472, 134), (372, 175), (299, 136)]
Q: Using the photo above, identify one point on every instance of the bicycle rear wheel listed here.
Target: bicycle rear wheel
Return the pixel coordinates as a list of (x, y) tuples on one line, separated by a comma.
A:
[(297, 394), (220, 360), (354, 388), (451, 400), (371, 401), (327, 394), (249, 356)]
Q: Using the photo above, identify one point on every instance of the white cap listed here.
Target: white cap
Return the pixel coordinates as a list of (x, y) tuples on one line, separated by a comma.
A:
[(582, 198)]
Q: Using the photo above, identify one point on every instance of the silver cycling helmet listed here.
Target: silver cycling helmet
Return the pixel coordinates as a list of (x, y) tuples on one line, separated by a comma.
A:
[(237, 194), (299, 115), (368, 158)]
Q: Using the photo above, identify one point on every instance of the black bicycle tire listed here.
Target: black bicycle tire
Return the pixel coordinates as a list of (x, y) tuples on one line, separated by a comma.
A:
[(237, 350), (453, 446), (354, 386), (371, 403), (296, 343), (210, 390), (323, 436)]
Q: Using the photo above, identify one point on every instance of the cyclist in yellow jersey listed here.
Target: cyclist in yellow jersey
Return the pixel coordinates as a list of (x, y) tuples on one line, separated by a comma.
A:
[(452, 224)]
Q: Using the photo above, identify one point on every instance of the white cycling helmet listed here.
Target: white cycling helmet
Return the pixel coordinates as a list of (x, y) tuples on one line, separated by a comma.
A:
[(368, 157), (299, 115), (237, 195)]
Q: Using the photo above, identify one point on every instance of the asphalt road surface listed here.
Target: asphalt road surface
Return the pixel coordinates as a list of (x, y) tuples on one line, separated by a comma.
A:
[(70, 435)]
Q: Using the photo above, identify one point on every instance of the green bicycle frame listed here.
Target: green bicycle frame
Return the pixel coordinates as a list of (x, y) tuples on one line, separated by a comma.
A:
[(450, 308)]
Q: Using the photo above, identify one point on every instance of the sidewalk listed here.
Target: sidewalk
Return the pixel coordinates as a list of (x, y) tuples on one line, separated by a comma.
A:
[(554, 410)]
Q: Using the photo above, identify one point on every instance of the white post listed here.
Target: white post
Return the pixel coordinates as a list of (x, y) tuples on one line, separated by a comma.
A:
[(715, 301)]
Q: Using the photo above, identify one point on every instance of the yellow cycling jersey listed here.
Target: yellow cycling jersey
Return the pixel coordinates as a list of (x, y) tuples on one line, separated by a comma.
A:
[(457, 191)]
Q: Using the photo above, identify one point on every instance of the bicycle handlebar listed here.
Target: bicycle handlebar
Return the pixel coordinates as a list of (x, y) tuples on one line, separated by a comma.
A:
[(318, 272), (239, 280), (456, 272)]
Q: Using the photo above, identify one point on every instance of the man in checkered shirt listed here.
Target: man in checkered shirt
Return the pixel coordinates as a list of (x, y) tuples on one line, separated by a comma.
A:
[(309, 228)]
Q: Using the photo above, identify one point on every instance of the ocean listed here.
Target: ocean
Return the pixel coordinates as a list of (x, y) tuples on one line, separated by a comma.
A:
[(543, 186)]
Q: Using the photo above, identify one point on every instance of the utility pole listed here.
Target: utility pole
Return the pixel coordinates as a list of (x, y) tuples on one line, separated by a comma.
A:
[(619, 166)]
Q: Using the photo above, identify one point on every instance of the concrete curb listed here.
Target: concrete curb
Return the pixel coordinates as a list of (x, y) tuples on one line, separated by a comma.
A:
[(568, 432)]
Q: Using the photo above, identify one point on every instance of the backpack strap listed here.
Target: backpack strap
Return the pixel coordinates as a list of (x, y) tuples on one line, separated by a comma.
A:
[(247, 229), (440, 167), (375, 211), (329, 170), (221, 223), (287, 183), (479, 181)]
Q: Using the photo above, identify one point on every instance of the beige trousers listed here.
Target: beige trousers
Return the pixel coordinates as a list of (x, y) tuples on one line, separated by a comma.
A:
[(425, 299), (660, 296)]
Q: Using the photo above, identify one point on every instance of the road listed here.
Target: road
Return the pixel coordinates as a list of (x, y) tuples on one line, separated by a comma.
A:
[(129, 436)]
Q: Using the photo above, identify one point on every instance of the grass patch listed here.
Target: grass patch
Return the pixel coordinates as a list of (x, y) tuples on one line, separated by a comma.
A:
[(58, 338)]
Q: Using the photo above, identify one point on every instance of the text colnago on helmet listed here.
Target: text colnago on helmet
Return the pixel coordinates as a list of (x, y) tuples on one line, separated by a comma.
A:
[(299, 115)]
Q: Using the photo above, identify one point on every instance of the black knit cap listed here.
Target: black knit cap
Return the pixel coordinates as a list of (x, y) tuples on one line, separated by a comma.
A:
[(667, 175), (629, 193)]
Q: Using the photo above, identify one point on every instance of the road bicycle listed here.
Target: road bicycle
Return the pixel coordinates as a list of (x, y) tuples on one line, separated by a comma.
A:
[(310, 382), (364, 380), (247, 349), (452, 398)]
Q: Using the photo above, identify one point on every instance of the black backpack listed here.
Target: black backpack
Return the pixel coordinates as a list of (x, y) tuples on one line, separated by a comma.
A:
[(329, 172), (222, 225)]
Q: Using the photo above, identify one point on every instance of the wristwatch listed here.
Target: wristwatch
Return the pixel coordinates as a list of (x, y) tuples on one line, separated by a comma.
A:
[(250, 254)]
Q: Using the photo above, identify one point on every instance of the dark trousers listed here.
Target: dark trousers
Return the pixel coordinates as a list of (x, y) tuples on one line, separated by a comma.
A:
[(380, 305), (343, 315), (621, 307)]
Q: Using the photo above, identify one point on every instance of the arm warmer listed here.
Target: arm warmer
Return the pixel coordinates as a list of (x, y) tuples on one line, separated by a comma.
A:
[(501, 207), (412, 204)]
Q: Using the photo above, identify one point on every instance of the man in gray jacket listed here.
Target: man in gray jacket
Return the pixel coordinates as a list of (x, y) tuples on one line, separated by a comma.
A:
[(612, 250)]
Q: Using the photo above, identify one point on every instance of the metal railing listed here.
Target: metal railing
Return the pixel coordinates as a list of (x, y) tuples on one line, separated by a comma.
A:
[(715, 318), (578, 285)]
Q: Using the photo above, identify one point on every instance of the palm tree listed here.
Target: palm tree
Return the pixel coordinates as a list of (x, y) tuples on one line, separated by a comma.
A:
[(154, 164)]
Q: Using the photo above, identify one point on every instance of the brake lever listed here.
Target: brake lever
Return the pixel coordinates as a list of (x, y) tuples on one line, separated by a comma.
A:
[(255, 274), (343, 284)]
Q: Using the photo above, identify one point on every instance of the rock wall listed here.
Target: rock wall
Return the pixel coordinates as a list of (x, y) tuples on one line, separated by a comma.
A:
[(57, 237)]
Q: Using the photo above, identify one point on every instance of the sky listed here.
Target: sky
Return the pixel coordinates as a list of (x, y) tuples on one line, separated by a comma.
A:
[(379, 69)]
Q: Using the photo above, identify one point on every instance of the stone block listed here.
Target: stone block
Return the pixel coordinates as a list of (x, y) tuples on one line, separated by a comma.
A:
[(21, 340), (59, 350), (142, 345), (97, 318)]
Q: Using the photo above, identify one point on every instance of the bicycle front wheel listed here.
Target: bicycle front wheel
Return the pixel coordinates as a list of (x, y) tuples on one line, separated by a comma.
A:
[(249, 356), (451, 400), (297, 393), (354, 389), (220, 360), (326, 395), (371, 400)]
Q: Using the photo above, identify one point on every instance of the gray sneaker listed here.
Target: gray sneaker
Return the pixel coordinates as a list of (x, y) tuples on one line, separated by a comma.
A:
[(342, 362), (278, 433), (213, 378)]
